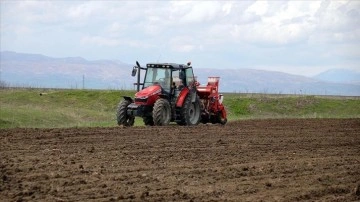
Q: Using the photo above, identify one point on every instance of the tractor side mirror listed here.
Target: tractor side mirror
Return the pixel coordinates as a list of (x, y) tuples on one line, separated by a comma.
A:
[(133, 73)]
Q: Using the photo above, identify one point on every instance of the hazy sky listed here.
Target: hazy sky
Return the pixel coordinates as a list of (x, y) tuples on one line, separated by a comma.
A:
[(300, 37)]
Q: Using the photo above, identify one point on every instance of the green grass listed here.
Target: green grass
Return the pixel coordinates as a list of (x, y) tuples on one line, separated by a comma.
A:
[(26, 108), (246, 106), (58, 108)]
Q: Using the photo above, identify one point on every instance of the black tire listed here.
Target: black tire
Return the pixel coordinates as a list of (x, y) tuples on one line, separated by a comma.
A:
[(148, 120), (213, 119), (190, 112), (161, 112), (204, 121), (205, 118), (121, 114), (218, 119), (222, 120)]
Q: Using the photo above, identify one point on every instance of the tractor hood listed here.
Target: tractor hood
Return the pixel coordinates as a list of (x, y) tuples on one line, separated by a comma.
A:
[(148, 91)]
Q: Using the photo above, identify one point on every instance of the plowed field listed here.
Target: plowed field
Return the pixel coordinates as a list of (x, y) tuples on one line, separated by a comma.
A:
[(252, 160)]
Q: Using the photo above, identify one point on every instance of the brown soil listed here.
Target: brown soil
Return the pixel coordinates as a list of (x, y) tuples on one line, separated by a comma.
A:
[(252, 160)]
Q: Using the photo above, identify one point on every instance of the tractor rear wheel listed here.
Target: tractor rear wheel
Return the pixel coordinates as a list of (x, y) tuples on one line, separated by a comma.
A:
[(121, 114), (190, 112), (161, 112)]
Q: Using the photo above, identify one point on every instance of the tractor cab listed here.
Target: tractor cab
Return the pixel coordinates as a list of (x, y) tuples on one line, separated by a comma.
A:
[(164, 80), (169, 76)]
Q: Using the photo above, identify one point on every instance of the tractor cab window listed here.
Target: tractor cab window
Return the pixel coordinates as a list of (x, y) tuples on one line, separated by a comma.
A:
[(158, 76), (183, 77), (189, 76), (176, 78)]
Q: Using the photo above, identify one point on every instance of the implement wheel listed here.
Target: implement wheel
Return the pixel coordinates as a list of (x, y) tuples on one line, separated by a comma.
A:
[(222, 120)]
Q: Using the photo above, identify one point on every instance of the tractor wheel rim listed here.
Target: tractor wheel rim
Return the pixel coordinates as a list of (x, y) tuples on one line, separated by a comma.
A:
[(191, 111)]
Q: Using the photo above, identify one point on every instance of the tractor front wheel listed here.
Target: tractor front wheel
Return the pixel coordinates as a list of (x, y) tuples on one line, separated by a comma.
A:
[(121, 114), (161, 112)]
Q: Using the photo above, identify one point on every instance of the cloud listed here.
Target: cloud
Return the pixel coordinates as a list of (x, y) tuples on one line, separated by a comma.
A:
[(34, 11), (183, 44), (270, 22), (288, 25), (100, 41), (116, 29), (259, 8), (84, 10), (288, 32), (200, 12)]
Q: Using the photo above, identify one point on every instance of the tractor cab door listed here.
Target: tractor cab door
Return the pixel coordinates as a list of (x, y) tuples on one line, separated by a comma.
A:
[(190, 79), (183, 77), (184, 83), (190, 83)]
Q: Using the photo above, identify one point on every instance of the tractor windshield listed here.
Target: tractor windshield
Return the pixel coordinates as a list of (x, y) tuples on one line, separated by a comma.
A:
[(158, 76)]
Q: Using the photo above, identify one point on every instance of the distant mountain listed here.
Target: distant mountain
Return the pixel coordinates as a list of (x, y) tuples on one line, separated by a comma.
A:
[(260, 81), (339, 76), (72, 72), (36, 70)]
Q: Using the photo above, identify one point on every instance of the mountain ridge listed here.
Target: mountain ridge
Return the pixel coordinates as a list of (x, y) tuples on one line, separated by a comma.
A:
[(339, 75), (75, 72)]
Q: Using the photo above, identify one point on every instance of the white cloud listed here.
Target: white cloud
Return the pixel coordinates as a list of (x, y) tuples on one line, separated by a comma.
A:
[(195, 28), (226, 8), (183, 48), (85, 10), (183, 44), (116, 29), (35, 11), (259, 8), (203, 11), (288, 25), (299, 21), (18, 30), (100, 41)]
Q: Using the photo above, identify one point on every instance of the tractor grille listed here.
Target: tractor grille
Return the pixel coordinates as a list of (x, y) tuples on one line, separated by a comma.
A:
[(141, 100)]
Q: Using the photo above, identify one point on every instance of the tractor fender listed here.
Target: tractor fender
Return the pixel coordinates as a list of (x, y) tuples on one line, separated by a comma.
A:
[(128, 98), (181, 98), (164, 96)]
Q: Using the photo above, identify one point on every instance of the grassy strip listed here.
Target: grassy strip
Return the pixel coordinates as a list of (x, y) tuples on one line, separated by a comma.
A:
[(89, 108), (267, 106)]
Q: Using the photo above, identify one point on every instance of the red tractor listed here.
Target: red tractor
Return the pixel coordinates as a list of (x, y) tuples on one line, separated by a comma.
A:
[(170, 93)]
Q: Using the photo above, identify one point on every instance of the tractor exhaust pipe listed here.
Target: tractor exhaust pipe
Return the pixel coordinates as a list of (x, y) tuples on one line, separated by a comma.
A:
[(137, 69)]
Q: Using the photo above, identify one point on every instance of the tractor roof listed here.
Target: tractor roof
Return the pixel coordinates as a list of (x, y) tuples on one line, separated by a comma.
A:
[(168, 65)]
